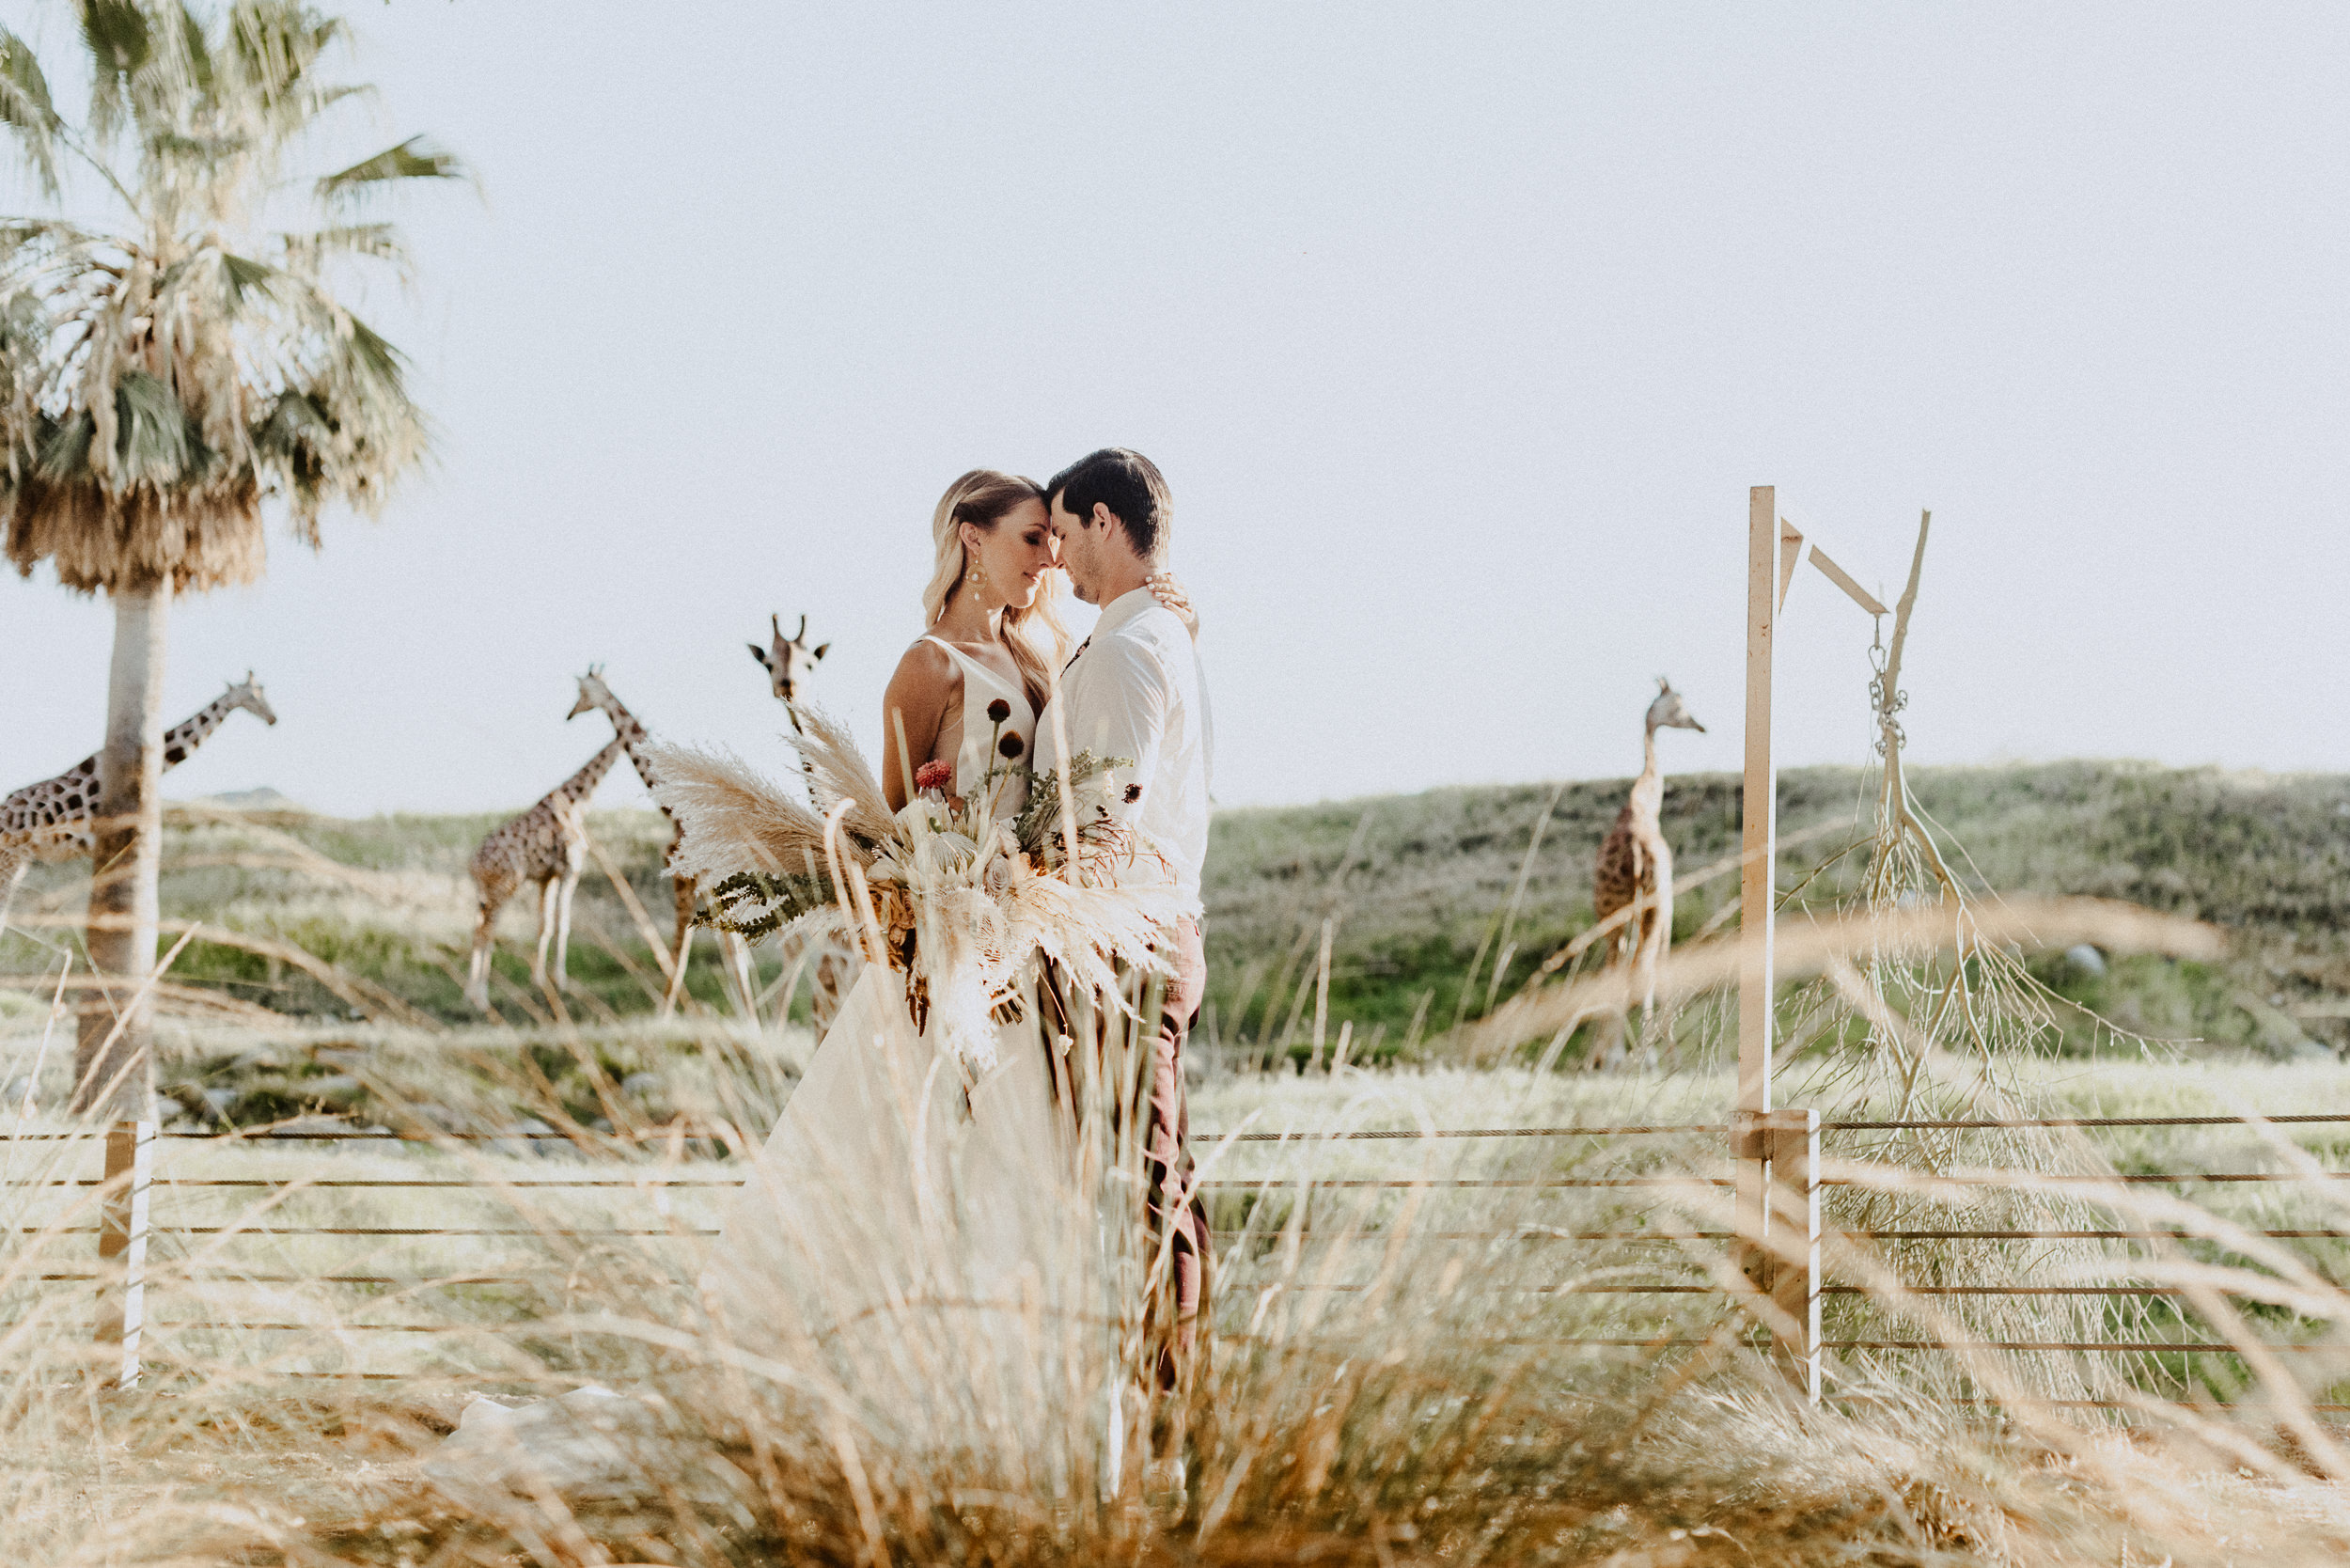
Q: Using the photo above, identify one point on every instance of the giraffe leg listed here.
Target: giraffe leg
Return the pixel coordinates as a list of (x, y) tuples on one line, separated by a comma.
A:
[(563, 929), (685, 890), (1607, 1041), (833, 968), (12, 863), (738, 956), (484, 936), (1643, 987), (1608, 1023), (548, 899), (1656, 938)]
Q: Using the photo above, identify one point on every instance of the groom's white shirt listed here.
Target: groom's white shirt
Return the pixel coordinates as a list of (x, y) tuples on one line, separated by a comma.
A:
[(1136, 690)]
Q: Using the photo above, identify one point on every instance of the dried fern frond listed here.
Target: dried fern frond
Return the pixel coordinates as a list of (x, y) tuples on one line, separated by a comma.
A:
[(1088, 930), (838, 770), (732, 821)]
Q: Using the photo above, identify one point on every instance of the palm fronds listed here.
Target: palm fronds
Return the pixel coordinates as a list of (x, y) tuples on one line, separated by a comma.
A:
[(171, 366)]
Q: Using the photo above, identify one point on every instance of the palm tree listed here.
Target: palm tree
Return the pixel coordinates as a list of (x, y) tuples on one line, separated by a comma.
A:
[(174, 367)]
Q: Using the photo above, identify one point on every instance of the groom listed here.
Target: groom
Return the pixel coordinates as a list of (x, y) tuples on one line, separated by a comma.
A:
[(1135, 690)]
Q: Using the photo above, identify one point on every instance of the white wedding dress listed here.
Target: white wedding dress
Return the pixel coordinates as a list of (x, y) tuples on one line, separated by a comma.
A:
[(895, 1227), (898, 1245)]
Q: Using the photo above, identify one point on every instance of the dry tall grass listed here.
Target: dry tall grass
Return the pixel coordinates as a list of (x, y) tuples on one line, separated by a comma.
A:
[(1390, 1382)]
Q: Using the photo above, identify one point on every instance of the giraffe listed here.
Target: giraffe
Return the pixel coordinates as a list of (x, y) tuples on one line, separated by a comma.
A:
[(1636, 867), (57, 818), (548, 845), (786, 660), (633, 736)]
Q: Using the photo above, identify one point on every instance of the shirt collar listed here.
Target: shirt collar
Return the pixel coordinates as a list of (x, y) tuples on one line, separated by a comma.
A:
[(1123, 609)]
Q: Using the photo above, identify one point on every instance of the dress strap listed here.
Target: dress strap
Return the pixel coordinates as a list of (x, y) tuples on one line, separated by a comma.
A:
[(971, 666), (963, 660)]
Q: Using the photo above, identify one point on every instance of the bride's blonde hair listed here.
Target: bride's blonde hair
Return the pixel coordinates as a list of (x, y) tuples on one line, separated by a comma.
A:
[(1038, 641)]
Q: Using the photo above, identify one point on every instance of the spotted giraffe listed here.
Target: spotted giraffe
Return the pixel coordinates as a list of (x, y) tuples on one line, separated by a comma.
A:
[(548, 845), (786, 660), (1636, 863), (57, 818), (633, 735)]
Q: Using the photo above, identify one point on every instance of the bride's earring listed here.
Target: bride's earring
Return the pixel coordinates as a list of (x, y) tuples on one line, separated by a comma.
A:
[(977, 577)]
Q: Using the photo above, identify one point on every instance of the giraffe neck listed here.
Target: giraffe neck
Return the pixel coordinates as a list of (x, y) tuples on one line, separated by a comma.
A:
[(634, 737), (1648, 790), (808, 769), (583, 783), (79, 783), (184, 737)]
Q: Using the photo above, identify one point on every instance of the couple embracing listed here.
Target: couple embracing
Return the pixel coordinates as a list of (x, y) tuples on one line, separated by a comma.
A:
[(912, 1221)]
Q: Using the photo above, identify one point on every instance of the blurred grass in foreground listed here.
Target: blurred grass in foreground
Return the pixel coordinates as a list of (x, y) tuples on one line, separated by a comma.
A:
[(1388, 1384)]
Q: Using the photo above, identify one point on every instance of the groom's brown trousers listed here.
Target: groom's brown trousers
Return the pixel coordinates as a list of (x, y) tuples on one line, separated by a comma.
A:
[(1177, 1220)]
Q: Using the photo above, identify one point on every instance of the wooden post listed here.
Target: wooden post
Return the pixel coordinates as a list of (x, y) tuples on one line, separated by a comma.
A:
[(1758, 845), (1782, 1256), (1757, 890), (122, 1243), (1774, 1154)]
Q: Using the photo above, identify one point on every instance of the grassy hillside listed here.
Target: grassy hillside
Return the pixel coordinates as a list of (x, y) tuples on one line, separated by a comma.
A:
[(1415, 882), (1412, 885)]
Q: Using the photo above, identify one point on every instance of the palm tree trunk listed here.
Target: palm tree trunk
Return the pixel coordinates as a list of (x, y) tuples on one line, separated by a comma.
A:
[(118, 1077)]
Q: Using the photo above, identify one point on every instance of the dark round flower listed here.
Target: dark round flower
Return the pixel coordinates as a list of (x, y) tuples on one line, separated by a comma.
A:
[(1012, 744), (997, 712), (1134, 794)]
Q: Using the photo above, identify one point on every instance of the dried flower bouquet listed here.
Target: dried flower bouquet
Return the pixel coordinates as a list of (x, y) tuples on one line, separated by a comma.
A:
[(956, 894)]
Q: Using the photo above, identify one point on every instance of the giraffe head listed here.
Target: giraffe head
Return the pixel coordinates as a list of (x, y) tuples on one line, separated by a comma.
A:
[(1666, 713), (246, 694), (787, 659), (593, 693)]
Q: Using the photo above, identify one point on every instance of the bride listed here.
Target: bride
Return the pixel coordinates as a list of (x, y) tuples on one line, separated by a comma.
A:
[(885, 1190)]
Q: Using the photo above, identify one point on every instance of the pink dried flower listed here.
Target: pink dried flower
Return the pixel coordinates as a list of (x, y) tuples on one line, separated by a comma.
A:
[(934, 775)]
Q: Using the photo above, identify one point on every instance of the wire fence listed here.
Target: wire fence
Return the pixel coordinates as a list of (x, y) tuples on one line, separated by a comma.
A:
[(202, 1256)]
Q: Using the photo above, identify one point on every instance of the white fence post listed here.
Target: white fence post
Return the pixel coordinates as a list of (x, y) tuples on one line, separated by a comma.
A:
[(122, 1243), (1780, 1255)]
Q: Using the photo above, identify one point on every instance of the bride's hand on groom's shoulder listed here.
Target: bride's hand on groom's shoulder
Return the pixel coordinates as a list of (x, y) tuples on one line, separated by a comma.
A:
[(1169, 590)]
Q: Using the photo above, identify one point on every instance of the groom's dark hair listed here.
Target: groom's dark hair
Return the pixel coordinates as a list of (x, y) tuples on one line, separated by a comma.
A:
[(1130, 485)]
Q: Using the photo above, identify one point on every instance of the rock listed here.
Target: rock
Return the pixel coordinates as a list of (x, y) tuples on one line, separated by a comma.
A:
[(299, 1124), (2085, 958), (523, 1148), (590, 1446)]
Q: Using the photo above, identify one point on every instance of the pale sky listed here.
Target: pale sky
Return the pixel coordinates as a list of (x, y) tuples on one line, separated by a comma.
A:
[(1460, 333)]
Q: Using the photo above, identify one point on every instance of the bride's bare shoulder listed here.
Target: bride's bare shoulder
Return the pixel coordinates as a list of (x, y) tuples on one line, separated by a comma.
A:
[(925, 664)]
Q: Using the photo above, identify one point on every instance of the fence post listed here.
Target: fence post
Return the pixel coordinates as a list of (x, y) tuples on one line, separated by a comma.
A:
[(1779, 1153), (122, 1243), (1759, 828)]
